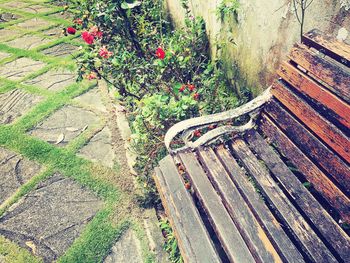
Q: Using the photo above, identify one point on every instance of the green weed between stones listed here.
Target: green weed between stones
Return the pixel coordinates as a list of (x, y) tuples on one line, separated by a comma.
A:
[(101, 233)]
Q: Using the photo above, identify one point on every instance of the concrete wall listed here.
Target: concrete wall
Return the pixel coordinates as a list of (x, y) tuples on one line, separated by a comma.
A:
[(258, 38)]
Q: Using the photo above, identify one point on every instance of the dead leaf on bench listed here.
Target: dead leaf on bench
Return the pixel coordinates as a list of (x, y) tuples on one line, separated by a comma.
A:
[(32, 246), (60, 138)]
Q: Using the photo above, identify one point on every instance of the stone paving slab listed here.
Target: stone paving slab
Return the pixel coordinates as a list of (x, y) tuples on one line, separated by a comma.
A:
[(4, 55), (7, 17), (99, 148), (14, 4), (93, 99), (28, 42), (127, 249), (6, 34), (36, 9), (34, 24), (49, 218), (54, 80), (61, 50), (55, 32), (15, 103), (64, 125), (14, 172), (20, 68), (63, 15)]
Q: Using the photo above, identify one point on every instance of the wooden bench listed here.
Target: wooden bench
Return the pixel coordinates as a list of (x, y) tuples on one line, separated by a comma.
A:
[(270, 180)]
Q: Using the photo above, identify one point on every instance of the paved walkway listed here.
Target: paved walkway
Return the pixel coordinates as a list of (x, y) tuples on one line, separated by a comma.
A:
[(66, 191)]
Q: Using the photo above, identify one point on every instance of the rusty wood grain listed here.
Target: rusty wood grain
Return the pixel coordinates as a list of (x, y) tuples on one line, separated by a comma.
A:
[(307, 86), (194, 241), (330, 134), (331, 231), (321, 183), (226, 230), (275, 196)]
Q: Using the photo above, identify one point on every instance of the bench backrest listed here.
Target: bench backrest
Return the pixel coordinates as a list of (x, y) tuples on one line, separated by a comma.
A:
[(308, 119)]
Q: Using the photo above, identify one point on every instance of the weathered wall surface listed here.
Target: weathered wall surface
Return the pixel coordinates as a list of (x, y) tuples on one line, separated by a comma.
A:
[(257, 39)]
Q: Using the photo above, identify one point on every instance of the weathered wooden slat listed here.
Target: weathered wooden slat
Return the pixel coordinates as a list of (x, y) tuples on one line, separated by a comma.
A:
[(254, 236), (319, 125), (312, 173), (331, 231), (248, 195), (194, 241), (337, 78), (310, 145), (226, 230), (311, 242), (307, 86), (338, 50)]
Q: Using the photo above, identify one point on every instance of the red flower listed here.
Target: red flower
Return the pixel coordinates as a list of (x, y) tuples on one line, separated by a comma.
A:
[(191, 87), (160, 53), (196, 96), (91, 76), (105, 53), (95, 32), (88, 38), (197, 133), (71, 30), (182, 89), (78, 21)]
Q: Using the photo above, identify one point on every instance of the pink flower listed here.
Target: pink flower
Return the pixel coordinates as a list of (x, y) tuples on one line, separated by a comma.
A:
[(160, 53), (91, 76), (96, 32), (182, 88), (78, 21), (196, 96), (105, 53), (71, 30), (88, 38)]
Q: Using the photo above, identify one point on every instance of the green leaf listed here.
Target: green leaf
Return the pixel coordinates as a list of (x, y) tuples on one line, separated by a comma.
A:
[(307, 185)]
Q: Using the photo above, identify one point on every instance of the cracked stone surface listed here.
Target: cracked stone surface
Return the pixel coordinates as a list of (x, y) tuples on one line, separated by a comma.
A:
[(100, 148), (14, 172), (14, 4), (28, 42), (53, 32), (63, 15), (34, 24), (14, 104), (20, 68), (6, 17), (54, 80), (93, 99), (36, 9), (60, 50), (64, 125), (49, 218), (127, 249), (4, 55), (6, 34)]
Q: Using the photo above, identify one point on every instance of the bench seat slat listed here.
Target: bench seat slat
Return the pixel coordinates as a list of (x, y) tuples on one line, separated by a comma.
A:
[(329, 45), (310, 145), (307, 86), (332, 232), (252, 233), (281, 241), (322, 184), (311, 242), (194, 241), (334, 138), (336, 78), (221, 221)]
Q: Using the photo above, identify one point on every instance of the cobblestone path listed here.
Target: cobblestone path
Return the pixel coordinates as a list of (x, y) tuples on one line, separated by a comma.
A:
[(66, 193)]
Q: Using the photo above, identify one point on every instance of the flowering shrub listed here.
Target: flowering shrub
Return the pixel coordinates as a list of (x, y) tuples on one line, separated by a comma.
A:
[(163, 75)]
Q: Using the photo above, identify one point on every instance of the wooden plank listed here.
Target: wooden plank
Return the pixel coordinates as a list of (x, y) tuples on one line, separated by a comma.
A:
[(247, 207), (194, 241), (274, 195), (258, 207), (319, 125), (332, 47), (310, 145), (252, 233), (336, 78), (226, 230), (312, 173), (307, 86), (332, 232)]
